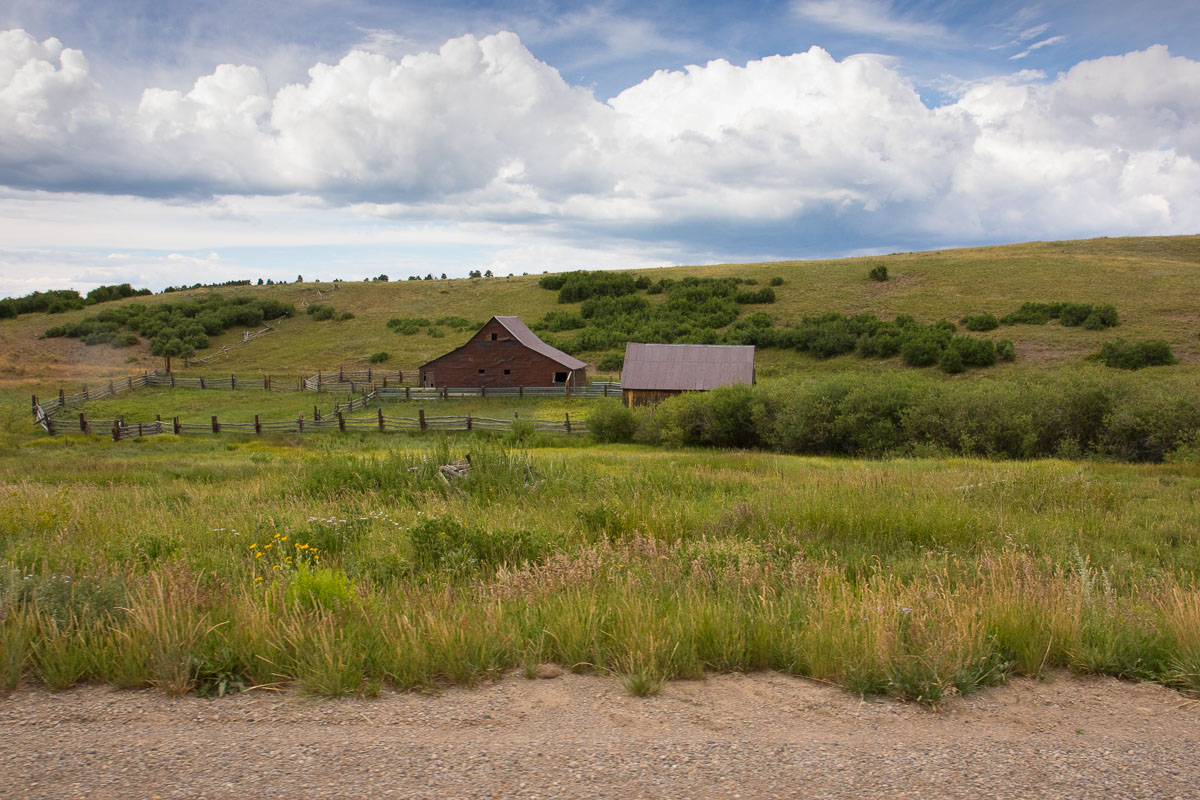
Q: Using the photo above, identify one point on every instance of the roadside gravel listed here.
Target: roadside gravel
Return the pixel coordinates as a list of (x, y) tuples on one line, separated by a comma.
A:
[(761, 735)]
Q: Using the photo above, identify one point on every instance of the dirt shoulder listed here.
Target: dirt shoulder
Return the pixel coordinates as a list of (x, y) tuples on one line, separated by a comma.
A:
[(763, 735)]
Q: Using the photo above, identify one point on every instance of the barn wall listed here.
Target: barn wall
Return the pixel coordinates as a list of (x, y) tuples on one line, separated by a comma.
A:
[(525, 367), (646, 397)]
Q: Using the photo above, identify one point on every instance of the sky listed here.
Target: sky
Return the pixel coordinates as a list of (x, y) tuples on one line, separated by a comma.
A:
[(167, 143)]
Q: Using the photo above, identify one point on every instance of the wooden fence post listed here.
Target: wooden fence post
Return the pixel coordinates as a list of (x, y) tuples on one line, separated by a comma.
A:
[(421, 417), (380, 409), (468, 421), (341, 375), (257, 424), (176, 428), (172, 380), (567, 389), (169, 366), (216, 426), (368, 375), (400, 373), (318, 380), (129, 383), (483, 391), (267, 382), (568, 423), (121, 419), (445, 392), (316, 414), (520, 391), (351, 387), (407, 395), (385, 381), (111, 390), (82, 422), (341, 422), (35, 406), (606, 390), (62, 397), (300, 423), (139, 430), (85, 392), (202, 386), (232, 381), (116, 432)]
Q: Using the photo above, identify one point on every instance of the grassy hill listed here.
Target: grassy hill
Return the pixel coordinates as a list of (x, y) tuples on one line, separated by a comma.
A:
[(1154, 283)]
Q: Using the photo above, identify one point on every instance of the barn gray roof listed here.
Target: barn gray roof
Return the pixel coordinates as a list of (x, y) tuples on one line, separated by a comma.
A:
[(522, 334), (686, 367)]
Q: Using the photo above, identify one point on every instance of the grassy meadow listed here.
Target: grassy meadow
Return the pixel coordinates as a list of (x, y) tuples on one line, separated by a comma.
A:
[(344, 563)]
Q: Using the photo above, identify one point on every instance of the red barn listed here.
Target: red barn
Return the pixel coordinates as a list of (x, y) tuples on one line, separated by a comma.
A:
[(504, 352)]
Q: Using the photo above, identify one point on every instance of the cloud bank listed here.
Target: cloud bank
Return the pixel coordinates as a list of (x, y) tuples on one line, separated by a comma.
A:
[(481, 131)]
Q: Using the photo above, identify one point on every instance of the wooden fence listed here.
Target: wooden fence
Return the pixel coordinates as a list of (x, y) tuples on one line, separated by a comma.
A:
[(338, 422), (370, 385)]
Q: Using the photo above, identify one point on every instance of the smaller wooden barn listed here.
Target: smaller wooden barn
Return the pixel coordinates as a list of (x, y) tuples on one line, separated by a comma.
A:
[(504, 352), (654, 372)]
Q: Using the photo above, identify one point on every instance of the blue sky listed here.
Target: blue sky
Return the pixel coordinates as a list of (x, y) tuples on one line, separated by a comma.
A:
[(162, 142)]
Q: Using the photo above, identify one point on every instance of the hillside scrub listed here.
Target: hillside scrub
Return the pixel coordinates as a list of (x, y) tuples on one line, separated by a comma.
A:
[(174, 329), (1070, 315), (864, 415)]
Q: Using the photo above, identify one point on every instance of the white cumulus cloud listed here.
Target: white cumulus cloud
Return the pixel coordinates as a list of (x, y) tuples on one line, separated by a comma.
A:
[(481, 131)]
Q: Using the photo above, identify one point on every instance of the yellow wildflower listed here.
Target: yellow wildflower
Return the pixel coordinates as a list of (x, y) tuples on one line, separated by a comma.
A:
[(256, 580), (258, 554), (254, 545), (275, 566)]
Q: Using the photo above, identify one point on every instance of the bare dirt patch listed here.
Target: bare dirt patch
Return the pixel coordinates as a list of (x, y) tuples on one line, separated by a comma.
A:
[(763, 735)]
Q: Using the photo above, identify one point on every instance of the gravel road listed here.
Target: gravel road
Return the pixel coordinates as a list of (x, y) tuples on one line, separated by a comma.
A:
[(762, 735)]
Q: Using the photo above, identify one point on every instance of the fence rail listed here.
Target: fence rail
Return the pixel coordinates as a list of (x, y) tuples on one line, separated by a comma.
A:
[(339, 422), (369, 385)]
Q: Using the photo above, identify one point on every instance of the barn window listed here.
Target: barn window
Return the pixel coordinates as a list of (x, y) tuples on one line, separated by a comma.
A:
[(495, 336), (560, 377), (481, 372), (508, 372)]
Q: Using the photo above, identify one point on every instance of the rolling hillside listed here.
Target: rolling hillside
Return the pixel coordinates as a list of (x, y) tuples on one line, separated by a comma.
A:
[(1153, 282)]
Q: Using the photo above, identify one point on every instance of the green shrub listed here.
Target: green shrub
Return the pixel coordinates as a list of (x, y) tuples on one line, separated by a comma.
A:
[(951, 361), (611, 362), (724, 417), (345, 315), (1005, 351), (1135, 355), (408, 326), (777, 281), (611, 422), (321, 312), (921, 351), (878, 273), (378, 358), (980, 322)]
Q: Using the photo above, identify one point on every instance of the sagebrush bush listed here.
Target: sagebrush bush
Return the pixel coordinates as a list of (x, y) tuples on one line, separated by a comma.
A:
[(878, 273), (379, 358)]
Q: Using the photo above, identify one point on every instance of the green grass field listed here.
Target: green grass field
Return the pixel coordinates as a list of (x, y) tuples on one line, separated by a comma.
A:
[(342, 563)]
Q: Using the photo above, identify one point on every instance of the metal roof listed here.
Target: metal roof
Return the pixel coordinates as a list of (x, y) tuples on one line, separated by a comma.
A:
[(522, 334), (686, 367)]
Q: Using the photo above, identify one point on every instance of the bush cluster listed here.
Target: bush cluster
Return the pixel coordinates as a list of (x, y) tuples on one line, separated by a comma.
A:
[(408, 325), (56, 301), (378, 358), (575, 286), (1112, 416), (834, 334), (322, 312), (691, 312), (174, 329), (980, 322), (1135, 355), (878, 273), (1091, 317), (182, 288)]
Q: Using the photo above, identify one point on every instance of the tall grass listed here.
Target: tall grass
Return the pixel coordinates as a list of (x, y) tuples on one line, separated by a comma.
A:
[(916, 578)]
